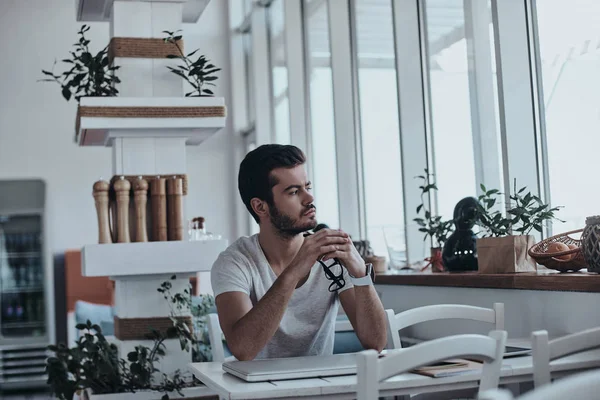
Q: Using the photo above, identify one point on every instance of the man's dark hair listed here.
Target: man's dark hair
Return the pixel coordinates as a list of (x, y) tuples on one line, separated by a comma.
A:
[(255, 179)]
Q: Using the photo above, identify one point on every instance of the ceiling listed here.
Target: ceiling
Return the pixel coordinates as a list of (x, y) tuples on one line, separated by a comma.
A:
[(374, 27)]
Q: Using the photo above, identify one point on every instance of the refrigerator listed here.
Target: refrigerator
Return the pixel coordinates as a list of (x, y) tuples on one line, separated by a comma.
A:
[(26, 285)]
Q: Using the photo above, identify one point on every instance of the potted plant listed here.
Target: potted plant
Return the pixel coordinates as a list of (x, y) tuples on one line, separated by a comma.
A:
[(87, 75), (433, 226), (92, 368), (506, 238), (199, 73)]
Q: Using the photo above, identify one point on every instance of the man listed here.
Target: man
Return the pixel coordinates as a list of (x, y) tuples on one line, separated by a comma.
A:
[(272, 295)]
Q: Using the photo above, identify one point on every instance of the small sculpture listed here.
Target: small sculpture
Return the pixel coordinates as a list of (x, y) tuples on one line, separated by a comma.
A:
[(460, 250)]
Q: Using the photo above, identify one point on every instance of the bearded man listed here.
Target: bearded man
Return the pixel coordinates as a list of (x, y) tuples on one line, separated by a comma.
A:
[(273, 294)]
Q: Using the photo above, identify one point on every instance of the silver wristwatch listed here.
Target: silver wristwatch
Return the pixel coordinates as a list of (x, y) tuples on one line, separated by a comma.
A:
[(365, 280)]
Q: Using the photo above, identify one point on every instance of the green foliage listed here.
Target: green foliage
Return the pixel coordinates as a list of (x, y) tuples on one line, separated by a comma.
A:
[(198, 341), (87, 74), (94, 363), (199, 73), (524, 213), (201, 351), (432, 226)]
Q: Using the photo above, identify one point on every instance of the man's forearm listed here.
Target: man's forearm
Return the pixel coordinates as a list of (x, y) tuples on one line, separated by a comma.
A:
[(371, 326), (254, 330)]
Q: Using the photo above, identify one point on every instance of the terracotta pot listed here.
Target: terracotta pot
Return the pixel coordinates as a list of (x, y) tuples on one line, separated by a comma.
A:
[(437, 265)]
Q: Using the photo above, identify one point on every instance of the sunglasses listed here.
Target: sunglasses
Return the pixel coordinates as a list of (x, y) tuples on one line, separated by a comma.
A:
[(338, 281)]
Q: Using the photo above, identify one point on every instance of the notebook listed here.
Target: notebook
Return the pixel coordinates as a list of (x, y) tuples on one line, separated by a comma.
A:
[(292, 368), (513, 351), (450, 367)]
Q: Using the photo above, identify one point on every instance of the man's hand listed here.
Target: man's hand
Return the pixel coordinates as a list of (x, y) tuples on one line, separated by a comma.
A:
[(325, 241), (349, 257)]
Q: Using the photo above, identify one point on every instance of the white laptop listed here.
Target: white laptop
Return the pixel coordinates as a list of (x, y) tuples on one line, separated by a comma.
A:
[(292, 368)]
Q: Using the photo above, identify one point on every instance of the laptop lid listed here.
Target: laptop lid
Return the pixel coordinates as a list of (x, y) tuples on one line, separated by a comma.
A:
[(292, 367)]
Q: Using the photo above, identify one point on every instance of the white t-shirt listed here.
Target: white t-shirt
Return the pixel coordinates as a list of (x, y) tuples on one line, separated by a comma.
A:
[(308, 324)]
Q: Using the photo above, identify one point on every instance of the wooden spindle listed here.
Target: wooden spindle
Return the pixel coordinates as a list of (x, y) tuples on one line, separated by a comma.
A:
[(158, 203), (100, 193), (122, 188), (140, 197), (175, 208)]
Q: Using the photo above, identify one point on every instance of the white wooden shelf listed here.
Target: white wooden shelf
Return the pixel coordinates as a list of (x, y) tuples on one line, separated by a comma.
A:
[(150, 258), (99, 10), (100, 130)]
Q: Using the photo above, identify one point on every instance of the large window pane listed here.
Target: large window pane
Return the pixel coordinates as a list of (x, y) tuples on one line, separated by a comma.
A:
[(279, 74), (323, 155), (379, 128), (568, 38), (463, 100)]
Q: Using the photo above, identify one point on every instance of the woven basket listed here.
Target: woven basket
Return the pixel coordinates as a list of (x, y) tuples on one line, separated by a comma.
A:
[(549, 260)]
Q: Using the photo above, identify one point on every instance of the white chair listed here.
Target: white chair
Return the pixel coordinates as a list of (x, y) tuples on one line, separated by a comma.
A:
[(407, 318), (582, 386), (215, 334), (543, 350), (372, 370)]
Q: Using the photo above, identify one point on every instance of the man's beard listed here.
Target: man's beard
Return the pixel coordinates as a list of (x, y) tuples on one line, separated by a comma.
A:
[(288, 226)]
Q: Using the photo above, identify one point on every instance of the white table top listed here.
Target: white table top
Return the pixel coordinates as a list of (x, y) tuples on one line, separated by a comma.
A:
[(514, 369)]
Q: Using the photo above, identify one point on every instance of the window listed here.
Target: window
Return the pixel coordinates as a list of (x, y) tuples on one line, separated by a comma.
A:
[(323, 152), (279, 75), (570, 60), (463, 116), (378, 102)]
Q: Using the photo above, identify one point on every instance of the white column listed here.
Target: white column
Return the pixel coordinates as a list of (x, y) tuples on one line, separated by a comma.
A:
[(138, 298), (239, 112), (347, 141), (262, 95), (411, 109), (486, 143), (296, 67)]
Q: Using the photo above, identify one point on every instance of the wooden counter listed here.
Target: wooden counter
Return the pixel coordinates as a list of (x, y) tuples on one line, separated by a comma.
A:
[(542, 280)]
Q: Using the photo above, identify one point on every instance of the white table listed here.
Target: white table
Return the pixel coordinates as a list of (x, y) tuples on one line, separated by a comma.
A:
[(514, 370)]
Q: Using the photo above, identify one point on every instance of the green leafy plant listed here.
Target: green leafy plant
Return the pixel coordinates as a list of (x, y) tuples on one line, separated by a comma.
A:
[(524, 213), (201, 351), (199, 73), (88, 75), (93, 363), (433, 226), (198, 340)]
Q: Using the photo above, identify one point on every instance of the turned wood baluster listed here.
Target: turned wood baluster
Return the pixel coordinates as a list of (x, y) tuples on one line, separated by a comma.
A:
[(140, 193), (122, 188), (100, 193), (158, 203), (175, 208)]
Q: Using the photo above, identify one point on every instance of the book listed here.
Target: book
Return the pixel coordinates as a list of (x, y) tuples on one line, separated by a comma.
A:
[(450, 367)]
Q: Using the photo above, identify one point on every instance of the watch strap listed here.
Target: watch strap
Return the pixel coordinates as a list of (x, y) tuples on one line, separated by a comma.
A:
[(365, 280)]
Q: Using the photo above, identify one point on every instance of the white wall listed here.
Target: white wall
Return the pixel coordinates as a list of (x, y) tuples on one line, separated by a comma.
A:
[(37, 124)]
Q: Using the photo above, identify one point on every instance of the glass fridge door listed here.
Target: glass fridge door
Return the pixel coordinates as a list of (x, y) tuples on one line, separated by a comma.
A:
[(22, 311)]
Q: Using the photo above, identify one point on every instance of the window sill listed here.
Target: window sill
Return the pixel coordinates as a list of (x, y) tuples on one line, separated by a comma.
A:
[(541, 280)]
